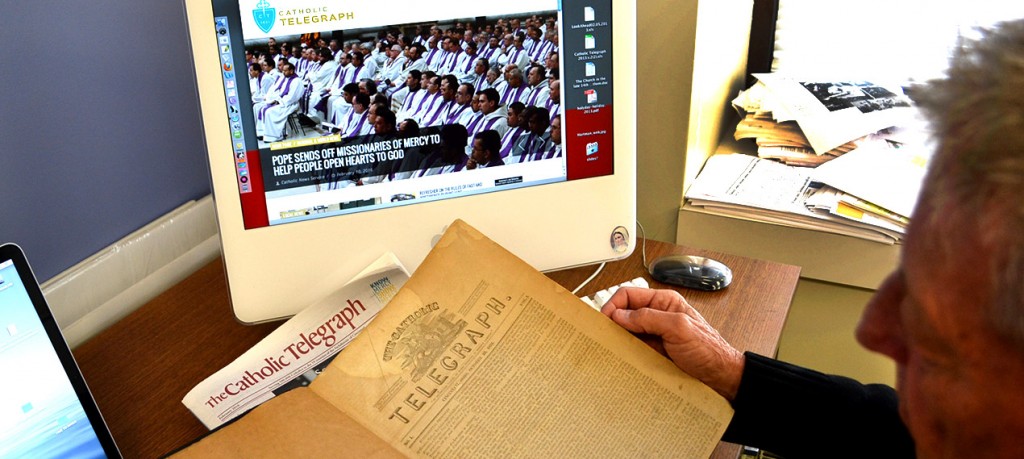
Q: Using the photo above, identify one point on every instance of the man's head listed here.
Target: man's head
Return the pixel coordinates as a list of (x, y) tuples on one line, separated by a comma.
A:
[(357, 58), (555, 91), (287, 68), (515, 113), (349, 91), (556, 130), (360, 103), (434, 84), (478, 100), (492, 75), (413, 80), (325, 55), (489, 101), (449, 84), (952, 315), (514, 77), (464, 94), (385, 120), (486, 146), (255, 70), (551, 60), (481, 67), (539, 120), (367, 86), (535, 75)]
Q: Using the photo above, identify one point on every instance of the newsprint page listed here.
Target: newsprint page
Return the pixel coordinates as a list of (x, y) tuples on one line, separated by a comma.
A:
[(480, 355)]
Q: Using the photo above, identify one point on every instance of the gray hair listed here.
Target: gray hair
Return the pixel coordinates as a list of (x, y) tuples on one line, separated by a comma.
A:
[(977, 172)]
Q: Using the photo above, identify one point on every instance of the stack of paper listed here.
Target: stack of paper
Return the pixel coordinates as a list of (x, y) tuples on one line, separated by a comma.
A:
[(807, 122), (868, 193)]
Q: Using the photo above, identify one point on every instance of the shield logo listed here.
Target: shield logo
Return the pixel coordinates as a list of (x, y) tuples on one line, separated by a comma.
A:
[(264, 15)]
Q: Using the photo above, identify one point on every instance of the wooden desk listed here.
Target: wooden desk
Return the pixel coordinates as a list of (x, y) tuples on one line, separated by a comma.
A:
[(140, 368)]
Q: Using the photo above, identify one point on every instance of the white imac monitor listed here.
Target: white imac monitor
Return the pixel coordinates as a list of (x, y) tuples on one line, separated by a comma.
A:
[(311, 185)]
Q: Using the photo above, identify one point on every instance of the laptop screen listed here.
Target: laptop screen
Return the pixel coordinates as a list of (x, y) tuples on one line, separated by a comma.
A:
[(41, 412)]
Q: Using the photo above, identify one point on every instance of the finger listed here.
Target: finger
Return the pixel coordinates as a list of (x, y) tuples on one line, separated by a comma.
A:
[(649, 321), (637, 298)]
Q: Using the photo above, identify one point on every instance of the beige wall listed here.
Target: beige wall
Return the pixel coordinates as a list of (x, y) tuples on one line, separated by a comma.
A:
[(679, 109)]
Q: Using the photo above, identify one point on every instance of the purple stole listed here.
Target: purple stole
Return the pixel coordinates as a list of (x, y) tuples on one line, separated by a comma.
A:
[(472, 124), (359, 125), (454, 59), (519, 92), (481, 127), (509, 140), (408, 100), (480, 80), (440, 109), (430, 56), (530, 154), (553, 152), (514, 57), (554, 109), (469, 64), (433, 98), (288, 87), (534, 92), (454, 116)]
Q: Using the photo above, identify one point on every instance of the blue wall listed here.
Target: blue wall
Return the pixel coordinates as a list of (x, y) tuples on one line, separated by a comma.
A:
[(99, 124)]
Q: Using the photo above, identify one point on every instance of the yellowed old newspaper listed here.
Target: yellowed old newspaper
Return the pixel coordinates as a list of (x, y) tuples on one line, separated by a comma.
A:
[(480, 355), (294, 354)]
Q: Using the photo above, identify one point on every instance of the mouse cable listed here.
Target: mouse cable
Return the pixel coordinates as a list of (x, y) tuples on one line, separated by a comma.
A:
[(643, 249)]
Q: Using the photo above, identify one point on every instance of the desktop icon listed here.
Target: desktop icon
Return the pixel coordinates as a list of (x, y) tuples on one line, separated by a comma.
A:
[(232, 100), (228, 67), (237, 134), (243, 179), (229, 75), (591, 95), (591, 148), (591, 69), (588, 13), (229, 84), (589, 42), (232, 92), (240, 146), (225, 48)]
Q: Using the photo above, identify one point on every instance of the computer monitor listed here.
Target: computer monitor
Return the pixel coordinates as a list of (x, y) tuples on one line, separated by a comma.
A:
[(310, 185)]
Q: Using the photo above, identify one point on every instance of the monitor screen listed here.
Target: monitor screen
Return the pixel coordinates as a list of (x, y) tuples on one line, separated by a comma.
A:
[(47, 410), (338, 129)]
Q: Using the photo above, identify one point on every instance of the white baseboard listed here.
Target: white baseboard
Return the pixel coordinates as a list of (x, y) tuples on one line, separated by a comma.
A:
[(104, 288)]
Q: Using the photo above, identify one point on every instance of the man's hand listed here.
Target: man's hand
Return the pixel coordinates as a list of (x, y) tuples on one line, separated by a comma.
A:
[(677, 330)]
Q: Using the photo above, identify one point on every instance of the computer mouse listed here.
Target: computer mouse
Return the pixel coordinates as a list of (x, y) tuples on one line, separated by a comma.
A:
[(691, 271)]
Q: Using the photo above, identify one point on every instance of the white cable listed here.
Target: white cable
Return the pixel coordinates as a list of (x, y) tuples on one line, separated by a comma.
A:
[(592, 276)]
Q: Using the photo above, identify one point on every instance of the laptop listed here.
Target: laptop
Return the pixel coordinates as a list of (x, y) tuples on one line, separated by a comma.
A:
[(46, 409)]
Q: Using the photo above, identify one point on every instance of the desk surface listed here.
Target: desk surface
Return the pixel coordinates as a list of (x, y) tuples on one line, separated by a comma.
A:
[(140, 368)]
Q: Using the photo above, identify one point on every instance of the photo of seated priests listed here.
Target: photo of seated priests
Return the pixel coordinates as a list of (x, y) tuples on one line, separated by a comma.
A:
[(497, 76)]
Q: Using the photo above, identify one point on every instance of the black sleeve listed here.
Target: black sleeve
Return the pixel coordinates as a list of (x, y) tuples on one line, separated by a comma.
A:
[(800, 413)]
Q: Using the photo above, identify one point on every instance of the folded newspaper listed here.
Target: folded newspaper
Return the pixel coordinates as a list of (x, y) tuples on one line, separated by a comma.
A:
[(295, 353)]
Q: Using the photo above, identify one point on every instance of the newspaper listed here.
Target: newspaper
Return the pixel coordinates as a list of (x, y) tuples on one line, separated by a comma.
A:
[(890, 178), (480, 355), (756, 189), (830, 113), (295, 353)]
